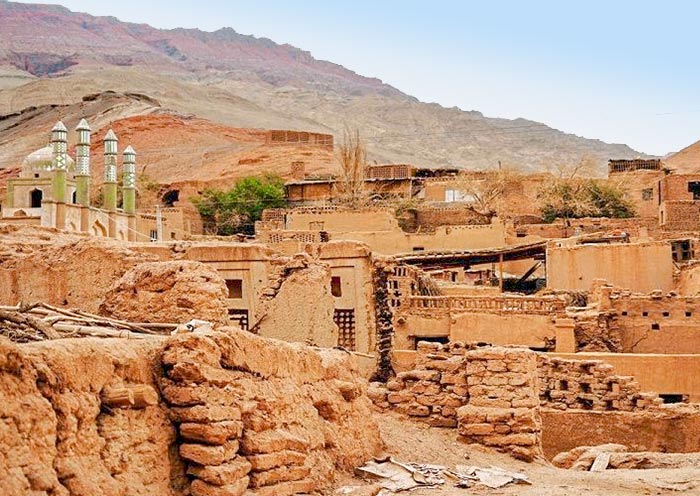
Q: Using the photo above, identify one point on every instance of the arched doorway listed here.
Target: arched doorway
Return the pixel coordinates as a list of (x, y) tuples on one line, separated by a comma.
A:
[(36, 196), (98, 229)]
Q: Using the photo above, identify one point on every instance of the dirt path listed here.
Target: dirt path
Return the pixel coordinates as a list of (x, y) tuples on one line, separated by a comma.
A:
[(412, 442)]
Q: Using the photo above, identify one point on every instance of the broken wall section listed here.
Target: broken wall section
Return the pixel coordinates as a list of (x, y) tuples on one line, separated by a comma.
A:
[(276, 419), (489, 394), (493, 395), (171, 291), (65, 431), (589, 385), (59, 268)]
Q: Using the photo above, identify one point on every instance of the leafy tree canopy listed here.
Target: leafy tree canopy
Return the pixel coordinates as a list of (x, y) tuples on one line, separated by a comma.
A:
[(236, 210)]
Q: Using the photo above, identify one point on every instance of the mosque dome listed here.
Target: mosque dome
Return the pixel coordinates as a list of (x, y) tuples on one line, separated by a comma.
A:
[(40, 161)]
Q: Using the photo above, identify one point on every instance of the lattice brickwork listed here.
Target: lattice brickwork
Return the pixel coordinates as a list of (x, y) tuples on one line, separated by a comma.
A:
[(345, 320)]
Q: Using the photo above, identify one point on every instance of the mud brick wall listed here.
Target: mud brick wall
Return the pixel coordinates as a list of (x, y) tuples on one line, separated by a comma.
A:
[(434, 390), (589, 385), (65, 429), (503, 408), (431, 217), (489, 394), (271, 420)]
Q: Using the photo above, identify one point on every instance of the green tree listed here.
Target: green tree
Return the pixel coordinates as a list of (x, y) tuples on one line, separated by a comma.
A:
[(236, 210)]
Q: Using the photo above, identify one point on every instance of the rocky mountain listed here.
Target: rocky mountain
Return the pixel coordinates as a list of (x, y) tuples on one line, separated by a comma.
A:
[(52, 57)]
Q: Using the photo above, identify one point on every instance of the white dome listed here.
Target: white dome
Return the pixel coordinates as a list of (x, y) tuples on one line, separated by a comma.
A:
[(40, 160)]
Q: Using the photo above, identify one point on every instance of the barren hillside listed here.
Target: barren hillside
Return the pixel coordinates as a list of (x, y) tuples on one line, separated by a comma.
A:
[(686, 160), (50, 55)]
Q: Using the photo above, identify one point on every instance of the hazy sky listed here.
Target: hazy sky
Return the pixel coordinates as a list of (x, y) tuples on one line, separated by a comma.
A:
[(621, 71)]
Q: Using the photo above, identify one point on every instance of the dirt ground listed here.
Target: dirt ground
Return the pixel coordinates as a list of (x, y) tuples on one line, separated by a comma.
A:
[(412, 442)]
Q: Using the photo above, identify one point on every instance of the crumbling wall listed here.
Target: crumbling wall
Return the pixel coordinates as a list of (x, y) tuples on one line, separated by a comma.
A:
[(432, 391), (597, 331), (503, 409), (495, 395), (489, 394), (82, 417), (59, 432), (42, 264), (297, 306), (175, 291), (589, 385), (276, 419)]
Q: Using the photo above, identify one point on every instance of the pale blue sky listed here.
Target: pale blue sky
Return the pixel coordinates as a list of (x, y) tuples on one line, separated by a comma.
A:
[(621, 71)]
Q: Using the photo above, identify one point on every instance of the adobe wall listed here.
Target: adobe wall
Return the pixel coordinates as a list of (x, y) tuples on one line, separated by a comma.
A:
[(674, 187), (640, 267), (264, 271), (656, 323), (492, 319), (635, 227), (254, 265), (309, 191), (351, 263), (497, 396), (518, 198), (271, 417), (342, 221), (443, 238), (380, 230), (680, 215), (430, 217), (59, 437), (688, 283), (642, 188), (178, 223), (237, 413), (283, 136), (41, 264), (672, 430)]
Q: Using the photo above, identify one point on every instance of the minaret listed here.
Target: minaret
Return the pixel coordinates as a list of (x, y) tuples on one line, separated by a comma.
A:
[(59, 161), (129, 181), (82, 164), (110, 183)]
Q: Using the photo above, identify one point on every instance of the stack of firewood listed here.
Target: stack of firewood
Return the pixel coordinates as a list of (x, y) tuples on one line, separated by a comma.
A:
[(41, 321)]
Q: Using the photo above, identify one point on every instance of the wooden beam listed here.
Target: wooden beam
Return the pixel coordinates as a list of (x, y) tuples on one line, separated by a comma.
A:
[(131, 396)]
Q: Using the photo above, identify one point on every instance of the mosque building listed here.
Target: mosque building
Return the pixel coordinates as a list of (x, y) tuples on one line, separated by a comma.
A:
[(53, 190)]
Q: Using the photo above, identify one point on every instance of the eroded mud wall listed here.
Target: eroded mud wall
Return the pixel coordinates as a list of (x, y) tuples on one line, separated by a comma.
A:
[(243, 413)]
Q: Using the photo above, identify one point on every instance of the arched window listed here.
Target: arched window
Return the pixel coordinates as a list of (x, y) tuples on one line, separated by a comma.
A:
[(98, 229), (74, 197), (36, 196)]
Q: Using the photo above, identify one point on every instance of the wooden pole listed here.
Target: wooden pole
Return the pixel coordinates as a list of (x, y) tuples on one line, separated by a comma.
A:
[(500, 272)]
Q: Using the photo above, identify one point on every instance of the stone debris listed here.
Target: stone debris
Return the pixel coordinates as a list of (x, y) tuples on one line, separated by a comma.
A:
[(618, 456), (395, 476), (492, 477)]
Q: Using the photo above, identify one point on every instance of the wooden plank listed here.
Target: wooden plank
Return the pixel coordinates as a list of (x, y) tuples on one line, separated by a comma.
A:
[(601, 462)]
